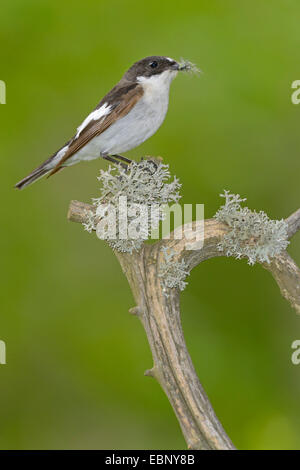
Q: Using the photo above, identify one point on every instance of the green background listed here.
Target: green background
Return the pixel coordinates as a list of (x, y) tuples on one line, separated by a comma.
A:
[(75, 357)]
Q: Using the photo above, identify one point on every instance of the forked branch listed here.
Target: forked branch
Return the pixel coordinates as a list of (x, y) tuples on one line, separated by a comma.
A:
[(160, 316)]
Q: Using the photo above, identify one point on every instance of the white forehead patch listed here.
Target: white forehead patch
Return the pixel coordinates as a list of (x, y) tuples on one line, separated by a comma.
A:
[(94, 116), (170, 60)]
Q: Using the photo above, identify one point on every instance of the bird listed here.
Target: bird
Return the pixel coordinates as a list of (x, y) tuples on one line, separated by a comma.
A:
[(127, 116)]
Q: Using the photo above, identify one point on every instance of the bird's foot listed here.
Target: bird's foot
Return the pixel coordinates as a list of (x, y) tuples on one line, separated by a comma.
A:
[(155, 161)]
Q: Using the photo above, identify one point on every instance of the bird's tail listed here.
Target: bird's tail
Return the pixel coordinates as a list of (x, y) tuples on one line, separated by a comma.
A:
[(32, 177)]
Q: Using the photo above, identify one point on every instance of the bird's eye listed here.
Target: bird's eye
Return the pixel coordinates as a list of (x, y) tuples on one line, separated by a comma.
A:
[(153, 64)]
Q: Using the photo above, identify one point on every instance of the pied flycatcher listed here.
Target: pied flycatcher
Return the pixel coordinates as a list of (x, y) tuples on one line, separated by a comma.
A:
[(127, 116)]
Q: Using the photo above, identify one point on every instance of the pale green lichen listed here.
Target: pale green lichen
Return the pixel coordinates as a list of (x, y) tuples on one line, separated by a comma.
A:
[(90, 223), (253, 234), (145, 183), (172, 272)]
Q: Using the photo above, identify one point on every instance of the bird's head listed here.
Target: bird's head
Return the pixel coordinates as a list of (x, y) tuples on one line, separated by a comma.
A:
[(153, 68)]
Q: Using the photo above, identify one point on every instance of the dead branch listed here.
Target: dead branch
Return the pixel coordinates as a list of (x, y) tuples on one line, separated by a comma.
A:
[(160, 316)]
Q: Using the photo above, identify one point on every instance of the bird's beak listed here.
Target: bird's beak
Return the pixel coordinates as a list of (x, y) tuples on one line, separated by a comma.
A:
[(175, 66)]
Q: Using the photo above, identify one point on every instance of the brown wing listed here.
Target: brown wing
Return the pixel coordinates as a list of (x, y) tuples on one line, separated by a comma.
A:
[(127, 97)]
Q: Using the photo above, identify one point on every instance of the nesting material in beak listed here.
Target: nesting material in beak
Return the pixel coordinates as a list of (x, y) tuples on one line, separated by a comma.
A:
[(187, 66)]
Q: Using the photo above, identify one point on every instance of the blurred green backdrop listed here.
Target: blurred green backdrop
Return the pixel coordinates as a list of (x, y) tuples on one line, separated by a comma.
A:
[(75, 357)]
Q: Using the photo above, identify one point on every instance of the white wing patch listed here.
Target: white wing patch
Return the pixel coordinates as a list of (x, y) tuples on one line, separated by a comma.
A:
[(58, 157), (94, 116)]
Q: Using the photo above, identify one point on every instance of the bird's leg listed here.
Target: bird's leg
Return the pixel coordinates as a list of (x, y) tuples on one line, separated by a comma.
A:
[(113, 160), (124, 159)]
